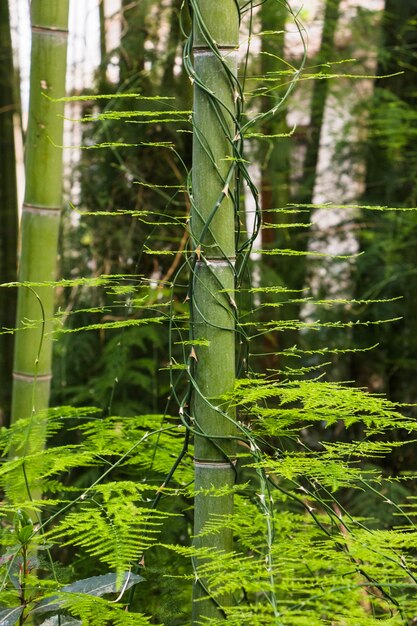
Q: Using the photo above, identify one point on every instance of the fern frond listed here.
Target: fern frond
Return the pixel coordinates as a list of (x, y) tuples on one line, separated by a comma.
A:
[(98, 611), (115, 525)]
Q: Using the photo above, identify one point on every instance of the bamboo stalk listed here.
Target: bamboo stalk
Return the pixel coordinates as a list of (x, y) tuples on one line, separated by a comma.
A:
[(41, 210), (8, 210), (276, 168), (275, 155), (216, 37), (135, 17), (102, 69)]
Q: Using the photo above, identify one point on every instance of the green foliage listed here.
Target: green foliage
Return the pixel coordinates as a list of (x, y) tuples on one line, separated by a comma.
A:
[(301, 556), (122, 528), (324, 523)]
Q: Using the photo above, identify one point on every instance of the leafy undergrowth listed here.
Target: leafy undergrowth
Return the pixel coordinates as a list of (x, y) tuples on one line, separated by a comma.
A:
[(306, 550)]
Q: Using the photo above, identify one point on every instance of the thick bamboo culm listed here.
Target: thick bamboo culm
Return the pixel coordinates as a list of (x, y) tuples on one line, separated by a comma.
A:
[(215, 53), (8, 210), (41, 209)]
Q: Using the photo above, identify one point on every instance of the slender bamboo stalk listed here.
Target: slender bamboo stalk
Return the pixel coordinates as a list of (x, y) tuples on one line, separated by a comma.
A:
[(102, 70), (41, 209), (8, 209), (169, 78), (216, 37), (135, 18), (276, 167), (275, 183)]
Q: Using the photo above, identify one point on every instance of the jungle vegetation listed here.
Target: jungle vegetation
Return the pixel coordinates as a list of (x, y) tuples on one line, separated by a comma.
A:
[(208, 315)]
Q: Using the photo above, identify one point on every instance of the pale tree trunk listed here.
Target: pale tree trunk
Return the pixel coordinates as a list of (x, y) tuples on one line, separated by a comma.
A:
[(310, 161), (216, 35), (318, 101), (8, 209), (41, 211), (340, 175), (294, 271)]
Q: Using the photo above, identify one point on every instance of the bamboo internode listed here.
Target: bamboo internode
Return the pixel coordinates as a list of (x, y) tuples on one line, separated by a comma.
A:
[(41, 211)]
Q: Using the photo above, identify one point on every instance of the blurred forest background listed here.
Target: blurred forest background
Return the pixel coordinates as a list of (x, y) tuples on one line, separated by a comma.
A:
[(336, 172), (351, 145)]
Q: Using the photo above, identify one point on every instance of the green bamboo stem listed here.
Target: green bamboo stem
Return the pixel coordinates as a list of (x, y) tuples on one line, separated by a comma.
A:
[(275, 156), (8, 210), (102, 69), (276, 167), (135, 16), (169, 78), (41, 211), (216, 38)]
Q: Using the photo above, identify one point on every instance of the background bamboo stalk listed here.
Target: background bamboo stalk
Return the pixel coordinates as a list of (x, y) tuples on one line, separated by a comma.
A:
[(274, 155), (216, 38), (41, 210)]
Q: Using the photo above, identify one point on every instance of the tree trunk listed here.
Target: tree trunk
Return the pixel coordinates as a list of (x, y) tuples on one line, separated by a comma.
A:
[(318, 101), (216, 35), (309, 167), (298, 237), (41, 209), (8, 210)]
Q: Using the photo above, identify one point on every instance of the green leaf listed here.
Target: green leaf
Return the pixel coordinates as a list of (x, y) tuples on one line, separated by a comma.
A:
[(100, 585), (24, 535), (62, 620), (94, 586), (9, 617)]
